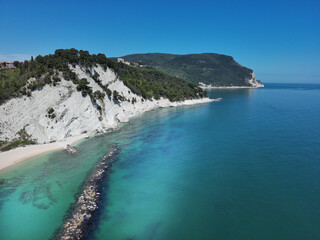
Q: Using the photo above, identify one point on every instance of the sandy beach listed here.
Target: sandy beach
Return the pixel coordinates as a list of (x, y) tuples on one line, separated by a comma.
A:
[(20, 154)]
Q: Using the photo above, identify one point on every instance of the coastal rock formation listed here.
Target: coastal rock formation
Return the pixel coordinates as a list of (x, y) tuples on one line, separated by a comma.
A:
[(77, 225), (251, 83), (71, 149), (56, 113)]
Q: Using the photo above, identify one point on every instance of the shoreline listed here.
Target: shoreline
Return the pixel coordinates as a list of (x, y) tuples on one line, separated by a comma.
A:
[(228, 87), (20, 154)]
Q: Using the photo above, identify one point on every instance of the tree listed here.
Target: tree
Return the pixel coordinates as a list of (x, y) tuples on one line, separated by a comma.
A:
[(47, 79), (16, 64), (83, 84), (101, 58), (115, 94), (108, 91), (98, 95)]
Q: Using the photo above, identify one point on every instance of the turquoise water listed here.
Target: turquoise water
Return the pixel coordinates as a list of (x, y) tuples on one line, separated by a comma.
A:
[(247, 167)]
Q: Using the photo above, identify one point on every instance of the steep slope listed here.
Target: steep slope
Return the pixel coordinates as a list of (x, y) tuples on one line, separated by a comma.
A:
[(83, 98), (211, 69)]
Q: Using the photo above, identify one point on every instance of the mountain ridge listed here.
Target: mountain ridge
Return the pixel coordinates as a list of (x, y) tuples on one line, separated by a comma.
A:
[(211, 69)]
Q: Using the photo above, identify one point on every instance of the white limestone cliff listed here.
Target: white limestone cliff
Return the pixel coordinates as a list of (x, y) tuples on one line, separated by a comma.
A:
[(74, 114), (253, 82)]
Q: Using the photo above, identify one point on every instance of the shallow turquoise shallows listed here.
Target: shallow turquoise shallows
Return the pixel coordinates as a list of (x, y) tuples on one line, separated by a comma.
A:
[(247, 167)]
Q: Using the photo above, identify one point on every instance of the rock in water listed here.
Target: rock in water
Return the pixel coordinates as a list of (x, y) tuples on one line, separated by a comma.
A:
[(77, 224), (71, 149)]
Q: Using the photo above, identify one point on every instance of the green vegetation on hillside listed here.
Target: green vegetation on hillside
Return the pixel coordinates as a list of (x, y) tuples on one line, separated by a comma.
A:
[(10, 83), (144, 81), (209, 68), (148, 82), (23, 140)]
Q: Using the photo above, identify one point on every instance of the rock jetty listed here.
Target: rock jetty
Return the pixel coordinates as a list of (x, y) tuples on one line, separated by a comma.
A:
[(77, 225)]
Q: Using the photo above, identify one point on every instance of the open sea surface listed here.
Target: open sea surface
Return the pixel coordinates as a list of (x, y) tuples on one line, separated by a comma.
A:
[(247, 167)]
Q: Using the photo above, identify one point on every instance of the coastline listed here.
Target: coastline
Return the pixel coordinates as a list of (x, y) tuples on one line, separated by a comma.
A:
[(21, 154), (228, 87), (253, 82)]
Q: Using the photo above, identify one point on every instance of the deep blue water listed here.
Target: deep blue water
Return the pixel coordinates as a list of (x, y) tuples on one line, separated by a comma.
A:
[(247, 167)]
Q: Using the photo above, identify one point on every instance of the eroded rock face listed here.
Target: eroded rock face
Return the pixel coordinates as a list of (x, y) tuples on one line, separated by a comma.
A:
[(253, 82), (73, 114), (77, 224)]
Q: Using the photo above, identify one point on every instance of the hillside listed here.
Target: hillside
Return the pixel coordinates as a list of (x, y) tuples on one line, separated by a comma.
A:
[(208, 68), (53, 97), (146, 81)]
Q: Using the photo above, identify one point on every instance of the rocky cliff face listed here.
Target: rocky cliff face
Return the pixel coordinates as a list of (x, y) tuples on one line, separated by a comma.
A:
[(55, 113), (251, 82)]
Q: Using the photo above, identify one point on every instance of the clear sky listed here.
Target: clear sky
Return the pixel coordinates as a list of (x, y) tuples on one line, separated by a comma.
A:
[(279, 40)]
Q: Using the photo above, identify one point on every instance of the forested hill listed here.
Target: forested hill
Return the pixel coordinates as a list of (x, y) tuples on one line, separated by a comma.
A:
[(209, 68), (42, 70), (69, 93)]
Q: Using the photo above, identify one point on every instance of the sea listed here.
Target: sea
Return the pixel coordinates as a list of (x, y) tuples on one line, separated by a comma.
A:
[(247, 167)]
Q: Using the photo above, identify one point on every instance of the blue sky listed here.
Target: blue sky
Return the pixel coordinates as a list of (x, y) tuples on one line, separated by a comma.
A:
[(279, 40)]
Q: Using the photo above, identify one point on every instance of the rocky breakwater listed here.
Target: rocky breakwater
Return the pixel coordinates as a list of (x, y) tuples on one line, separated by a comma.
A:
[(81, 215)]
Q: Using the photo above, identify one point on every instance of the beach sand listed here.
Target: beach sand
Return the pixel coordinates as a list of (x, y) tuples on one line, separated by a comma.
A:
[(20, 154), (17, 155)]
